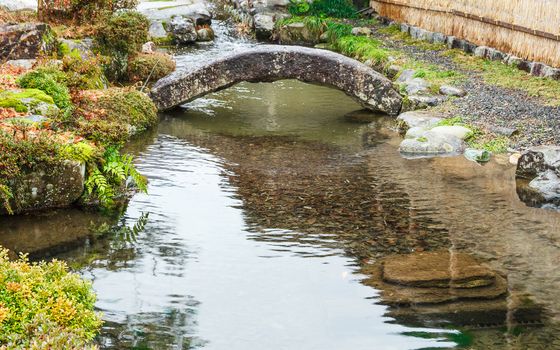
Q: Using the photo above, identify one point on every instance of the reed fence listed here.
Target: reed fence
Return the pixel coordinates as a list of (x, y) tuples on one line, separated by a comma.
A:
[(529, 29)]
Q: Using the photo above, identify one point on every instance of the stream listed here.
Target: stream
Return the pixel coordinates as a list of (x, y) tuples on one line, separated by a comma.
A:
[(263, 202)]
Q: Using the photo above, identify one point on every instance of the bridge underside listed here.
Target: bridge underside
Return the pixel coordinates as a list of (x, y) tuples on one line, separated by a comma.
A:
[(268, 63)]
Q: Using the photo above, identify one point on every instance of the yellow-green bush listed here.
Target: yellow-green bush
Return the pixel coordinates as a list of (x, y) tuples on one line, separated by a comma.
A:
[(43, 306)]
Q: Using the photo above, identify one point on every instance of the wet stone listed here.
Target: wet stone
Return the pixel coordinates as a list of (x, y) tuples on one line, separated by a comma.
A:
[(437, 269)]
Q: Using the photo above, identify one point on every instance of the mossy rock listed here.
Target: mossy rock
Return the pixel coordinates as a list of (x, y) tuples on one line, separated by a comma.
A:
[(29, 100), (150, 67)]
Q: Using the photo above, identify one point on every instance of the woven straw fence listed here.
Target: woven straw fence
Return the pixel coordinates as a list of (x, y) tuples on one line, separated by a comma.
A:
[(529, 29)]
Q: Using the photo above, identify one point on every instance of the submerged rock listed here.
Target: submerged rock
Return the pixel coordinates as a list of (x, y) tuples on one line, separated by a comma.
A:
[(26, 40), (433, 278)]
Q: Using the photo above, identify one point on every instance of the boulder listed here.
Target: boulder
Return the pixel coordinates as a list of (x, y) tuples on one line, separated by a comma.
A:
[(424, 101), (422, 119), (264, 26), (432, 144), (449, 90), (297, 34), (29, 100), (460, 132), (157, 31), (48, 187), (540, 166), (26, 41), (183, 30), (205, 34)]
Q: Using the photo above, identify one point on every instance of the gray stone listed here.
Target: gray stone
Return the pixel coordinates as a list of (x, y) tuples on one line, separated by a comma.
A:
[(16, 5), (157, 31), (481, 51), (537, 160), (432, 144), (406, 75), (550, 72), (23, 63), (405, 28), (414, 119), (458, 131), (44, 109), (267, 63), (264, 25), (501, 130), (537, 69), (424, 101), (439, 38), (26, 40), (361, 31), (416, 86), (297, 34), (47, 187), (183, 30), (513, 60), (205, 34), (415, 132), (449, 90)]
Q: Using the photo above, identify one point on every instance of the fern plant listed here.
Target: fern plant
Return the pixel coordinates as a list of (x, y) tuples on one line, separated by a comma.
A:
[(5, 196), (116, 171)]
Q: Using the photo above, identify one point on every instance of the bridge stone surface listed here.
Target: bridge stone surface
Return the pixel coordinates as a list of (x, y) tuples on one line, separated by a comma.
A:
[(268, 63)]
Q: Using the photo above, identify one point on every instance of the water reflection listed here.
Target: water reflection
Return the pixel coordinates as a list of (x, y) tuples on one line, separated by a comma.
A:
[(266, 201)]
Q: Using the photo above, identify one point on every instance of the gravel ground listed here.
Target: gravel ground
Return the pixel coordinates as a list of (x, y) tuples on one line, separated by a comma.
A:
[(488, 105)]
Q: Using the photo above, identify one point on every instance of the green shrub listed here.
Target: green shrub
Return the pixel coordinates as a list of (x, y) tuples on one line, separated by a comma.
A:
[(49, 80), (298, 7), (83, 74), (43, 306), (150, 67), (124, 32), (332, 8)]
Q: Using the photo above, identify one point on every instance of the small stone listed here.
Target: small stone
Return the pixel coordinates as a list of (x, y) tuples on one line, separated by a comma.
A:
[(149, 47), (392, 71), (423, 101), (477, 155), (416, 86), (501, 130), (205, 34), (361, 31), (449, 90), (406, 75)]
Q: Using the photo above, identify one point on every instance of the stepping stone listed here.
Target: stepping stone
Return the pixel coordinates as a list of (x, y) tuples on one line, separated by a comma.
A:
[(438, 269)]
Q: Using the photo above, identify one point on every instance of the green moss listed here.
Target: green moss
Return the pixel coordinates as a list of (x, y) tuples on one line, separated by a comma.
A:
[(13, 99), (498, 144), (422, 139)]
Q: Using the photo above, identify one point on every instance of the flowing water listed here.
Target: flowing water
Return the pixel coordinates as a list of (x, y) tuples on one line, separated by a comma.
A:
[(265, 200)]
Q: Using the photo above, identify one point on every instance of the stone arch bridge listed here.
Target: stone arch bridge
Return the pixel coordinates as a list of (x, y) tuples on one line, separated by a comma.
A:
[(268, 63)]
